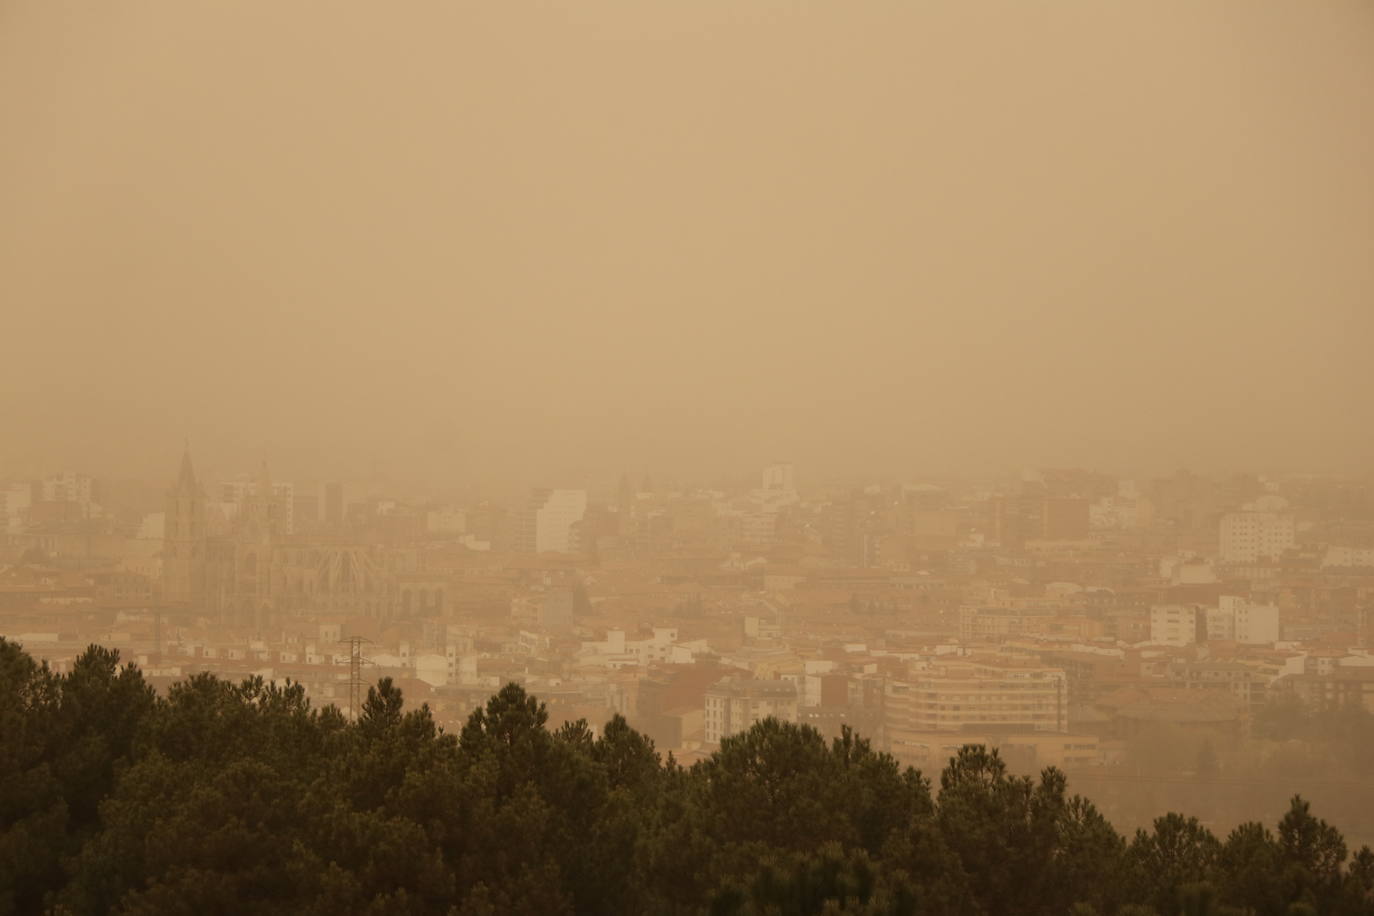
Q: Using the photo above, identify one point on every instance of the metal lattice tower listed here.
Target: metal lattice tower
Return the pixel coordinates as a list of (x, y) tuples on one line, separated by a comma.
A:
[(355, 675)]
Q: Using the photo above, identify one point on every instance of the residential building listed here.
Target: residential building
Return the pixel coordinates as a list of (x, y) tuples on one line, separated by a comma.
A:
[(549, 520), (1247, 537), (68, 487), (978, 695), (734, 704), (1176, 625)]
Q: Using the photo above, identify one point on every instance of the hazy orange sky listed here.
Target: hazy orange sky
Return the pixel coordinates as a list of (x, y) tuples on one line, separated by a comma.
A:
[(513, 240)]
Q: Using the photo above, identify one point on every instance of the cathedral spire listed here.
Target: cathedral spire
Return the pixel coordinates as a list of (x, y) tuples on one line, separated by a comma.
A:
[(186, 479), (183, 557)]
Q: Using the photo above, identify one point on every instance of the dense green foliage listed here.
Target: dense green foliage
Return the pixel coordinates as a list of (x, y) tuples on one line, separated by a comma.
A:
[(224, 798)]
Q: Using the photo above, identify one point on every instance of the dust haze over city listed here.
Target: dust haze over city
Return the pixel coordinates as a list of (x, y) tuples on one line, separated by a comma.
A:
[(746, 450)]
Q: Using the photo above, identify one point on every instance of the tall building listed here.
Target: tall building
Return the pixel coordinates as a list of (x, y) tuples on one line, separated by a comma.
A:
[(779, 477), (852, 525), (549, 519), (1013, 520), (331, 511), (1247, 537)]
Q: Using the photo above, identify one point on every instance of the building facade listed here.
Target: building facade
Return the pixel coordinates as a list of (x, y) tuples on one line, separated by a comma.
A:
[(1247, 537), (550, 518), (734, 704)]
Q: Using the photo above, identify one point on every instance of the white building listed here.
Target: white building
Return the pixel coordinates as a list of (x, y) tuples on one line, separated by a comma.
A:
[(663, 647), (1183, 569), (612, 652), (778, 489), (1173, 625), (811, 688), (736, 704), (432, 668), (461, 664), (1345, 557), (779, 477), (550, 519), (1236, 619), (615, 651), (1254, 623), (68, 488), (1247, 537), (16, 500)]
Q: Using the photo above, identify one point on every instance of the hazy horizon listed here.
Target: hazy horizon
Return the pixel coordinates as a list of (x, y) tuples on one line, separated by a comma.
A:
[(512, 242)]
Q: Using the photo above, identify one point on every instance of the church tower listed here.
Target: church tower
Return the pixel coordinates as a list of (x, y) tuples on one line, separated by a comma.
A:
[(255, 553), (263, 512), (183, 545)]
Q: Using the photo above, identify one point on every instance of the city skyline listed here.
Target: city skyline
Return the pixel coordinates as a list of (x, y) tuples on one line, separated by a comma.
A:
[(699, 456)]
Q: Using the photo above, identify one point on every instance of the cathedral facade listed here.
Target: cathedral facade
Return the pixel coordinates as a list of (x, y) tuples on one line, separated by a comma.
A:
[(245, 571)]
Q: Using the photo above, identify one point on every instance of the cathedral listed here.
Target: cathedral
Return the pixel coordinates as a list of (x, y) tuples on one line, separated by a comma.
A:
[(247, 571)]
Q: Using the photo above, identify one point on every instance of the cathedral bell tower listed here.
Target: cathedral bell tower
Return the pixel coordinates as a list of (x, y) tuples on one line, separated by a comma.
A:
[(183, 545)]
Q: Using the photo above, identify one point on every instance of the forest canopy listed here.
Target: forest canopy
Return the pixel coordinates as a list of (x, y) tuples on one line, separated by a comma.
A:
[(228, 798)]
